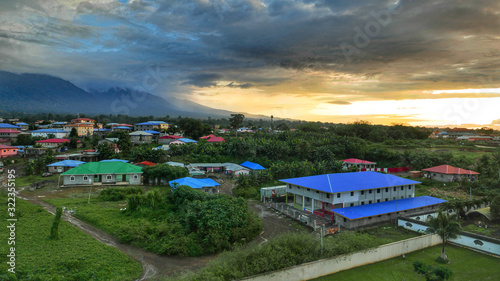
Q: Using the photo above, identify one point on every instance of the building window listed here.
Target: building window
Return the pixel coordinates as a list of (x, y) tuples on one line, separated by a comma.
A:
[(338, 195), (352, 204), (393, 198), (378, 190), (409, 187), (72, 178), (386, 199), (402, 188), (370, 191), (109, 177), (402, 197), (378, 200), (85, 178), (352, 193), (136, 176), (308, 189), (386, 189), (362, 192), (369, 202), (327, 195), (317, 191), (290, 187), (345, 220), (369, 218), (394, 188), (362, 203)]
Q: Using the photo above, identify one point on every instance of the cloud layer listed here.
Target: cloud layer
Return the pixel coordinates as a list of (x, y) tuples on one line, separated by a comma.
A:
[(335, 52)]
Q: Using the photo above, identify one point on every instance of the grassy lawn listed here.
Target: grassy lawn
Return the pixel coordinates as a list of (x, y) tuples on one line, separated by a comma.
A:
[(103, 215), (390, 233), (28, 180), (75, 256), (465, 264)]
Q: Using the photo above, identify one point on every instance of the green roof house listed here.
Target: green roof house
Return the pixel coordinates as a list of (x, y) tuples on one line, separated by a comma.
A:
[(103, 173)]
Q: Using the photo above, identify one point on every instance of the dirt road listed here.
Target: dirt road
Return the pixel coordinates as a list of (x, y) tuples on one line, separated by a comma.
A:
[(152, 265)]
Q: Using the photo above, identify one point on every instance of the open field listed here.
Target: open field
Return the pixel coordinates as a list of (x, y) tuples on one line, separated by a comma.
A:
[(465, 264), (469, 152), (75, 256)]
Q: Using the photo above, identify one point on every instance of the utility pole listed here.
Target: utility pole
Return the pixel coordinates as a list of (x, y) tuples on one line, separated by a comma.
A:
[(322, 229), (90, 181)]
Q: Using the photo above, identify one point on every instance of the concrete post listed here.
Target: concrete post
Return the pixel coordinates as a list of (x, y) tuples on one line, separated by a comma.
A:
[(314, 224)]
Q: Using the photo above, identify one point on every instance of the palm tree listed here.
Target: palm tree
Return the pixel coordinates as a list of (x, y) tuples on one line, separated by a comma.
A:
[(446, 227)]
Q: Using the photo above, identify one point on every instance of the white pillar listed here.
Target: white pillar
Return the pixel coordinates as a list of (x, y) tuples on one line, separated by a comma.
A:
[(303, 202), (312, 206)]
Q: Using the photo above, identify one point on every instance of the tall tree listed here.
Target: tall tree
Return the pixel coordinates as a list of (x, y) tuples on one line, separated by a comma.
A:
[(236, 121), (446, 226)]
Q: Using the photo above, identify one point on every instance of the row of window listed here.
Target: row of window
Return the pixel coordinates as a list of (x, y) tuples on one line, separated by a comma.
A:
[(108, 177), (370, 191)]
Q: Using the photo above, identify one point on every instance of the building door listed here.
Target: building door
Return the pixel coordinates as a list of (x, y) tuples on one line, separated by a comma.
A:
[(100, 178), (124, 177)]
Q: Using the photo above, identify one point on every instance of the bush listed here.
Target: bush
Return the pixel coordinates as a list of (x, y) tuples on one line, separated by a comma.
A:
[(117, 193)]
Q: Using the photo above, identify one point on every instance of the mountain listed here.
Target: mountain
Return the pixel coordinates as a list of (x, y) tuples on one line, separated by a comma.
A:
[(39, 93)]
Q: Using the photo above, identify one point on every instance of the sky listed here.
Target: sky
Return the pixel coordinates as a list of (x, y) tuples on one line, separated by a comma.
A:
[(415, 62)]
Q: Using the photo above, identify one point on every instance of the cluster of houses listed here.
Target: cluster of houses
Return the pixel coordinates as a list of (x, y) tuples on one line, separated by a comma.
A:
[(464, 134), (56, 135)]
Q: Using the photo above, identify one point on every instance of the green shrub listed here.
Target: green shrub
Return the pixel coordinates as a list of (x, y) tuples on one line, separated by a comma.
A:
[(117, 193)]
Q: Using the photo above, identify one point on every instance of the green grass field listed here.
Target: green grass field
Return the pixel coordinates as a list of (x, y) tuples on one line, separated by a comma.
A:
[(465, 264), (75, 256)]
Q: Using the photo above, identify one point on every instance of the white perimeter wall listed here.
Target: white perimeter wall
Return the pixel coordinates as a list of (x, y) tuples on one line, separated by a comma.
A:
[(329, 266)]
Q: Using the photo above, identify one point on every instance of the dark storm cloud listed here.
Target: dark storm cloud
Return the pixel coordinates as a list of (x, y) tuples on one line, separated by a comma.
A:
[(197, 43), (203, 80)]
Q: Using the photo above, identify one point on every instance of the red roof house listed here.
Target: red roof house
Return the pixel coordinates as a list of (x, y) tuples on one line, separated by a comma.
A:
[(361, 164), (54, 142), (207, 137), (447, 173), (215, 139), (146, 163)]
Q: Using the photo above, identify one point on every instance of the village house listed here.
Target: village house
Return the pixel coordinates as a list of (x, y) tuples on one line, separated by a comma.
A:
[(82, 129), (146, 126), (9, 134), (235, 169), (83, 120), (7, 150), (207, 185), (111, 142), (360, 164), (63, 166), (5, 142), (182, 141), (103, 173), (45, 133), (163, 125), (252, 166), (322, 193), (122, 128), (56, 143), (167, 139), (101, 132), (447, 173), (59, 124), (24, 126), (140, 137)]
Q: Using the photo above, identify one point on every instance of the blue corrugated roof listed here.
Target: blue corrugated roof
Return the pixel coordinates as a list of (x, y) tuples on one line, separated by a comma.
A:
[(102, 130), (22, 124), (123, 127), (370, 210), (194, 183), (345, 182), (66, 163), (152, 132), (186, 140), (49, 131), (8, 126), (114, 160), (253, 166)]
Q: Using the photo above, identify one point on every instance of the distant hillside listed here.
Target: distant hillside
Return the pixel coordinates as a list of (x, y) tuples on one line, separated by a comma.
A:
[(38, 93)]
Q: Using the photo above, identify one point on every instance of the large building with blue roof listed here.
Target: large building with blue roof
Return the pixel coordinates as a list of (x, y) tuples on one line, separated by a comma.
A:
[(207, 185), (365, 215), (322, 193)]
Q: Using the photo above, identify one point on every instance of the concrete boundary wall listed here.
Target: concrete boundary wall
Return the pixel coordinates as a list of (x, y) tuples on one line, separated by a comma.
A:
[(324, 267)]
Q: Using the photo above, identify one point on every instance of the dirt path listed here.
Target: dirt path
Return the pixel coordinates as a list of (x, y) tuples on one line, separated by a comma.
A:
[(152, 265)]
